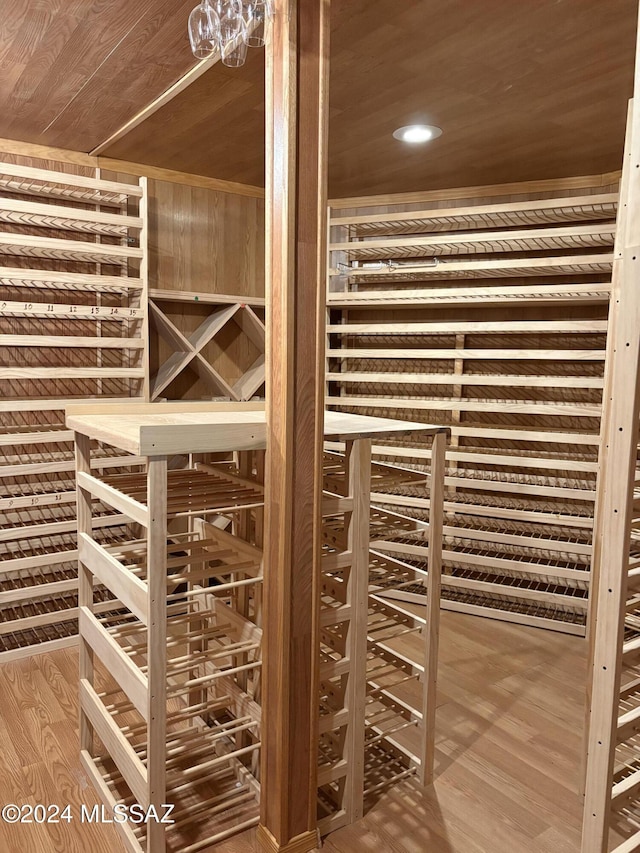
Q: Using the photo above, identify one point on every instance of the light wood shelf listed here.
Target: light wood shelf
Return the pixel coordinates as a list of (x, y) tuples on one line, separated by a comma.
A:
[(18, 212), (28, 181), (588, 293), (383, 716), (491, 319), (180, 719), (509, 214), (597, 264), (529, 240), (73, 325)]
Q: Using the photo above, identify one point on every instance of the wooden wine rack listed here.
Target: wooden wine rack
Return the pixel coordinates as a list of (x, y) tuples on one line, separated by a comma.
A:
[(492, 319), (73, 325), (170, 672), (379, 658), (181, 726), (191, 325)]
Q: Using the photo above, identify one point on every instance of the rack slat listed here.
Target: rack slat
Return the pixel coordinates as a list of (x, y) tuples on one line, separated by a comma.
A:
[(70, 312), (29, 246), (534, 212), (599, 264), (452, 404), (55, 280), (546, 327), (18, 212), (521, 295), (56, 216), (131, 591), (118, 192), (463, 379), (530, 240), (72, 372), (70, 341)]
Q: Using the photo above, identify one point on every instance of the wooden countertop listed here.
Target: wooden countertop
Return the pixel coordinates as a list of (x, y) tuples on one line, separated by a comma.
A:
[(161, 429)]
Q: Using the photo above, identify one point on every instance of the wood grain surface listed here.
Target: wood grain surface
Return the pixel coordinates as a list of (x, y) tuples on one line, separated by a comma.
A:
[(519, 96), (296, 198), (61, 60), (510, 714)]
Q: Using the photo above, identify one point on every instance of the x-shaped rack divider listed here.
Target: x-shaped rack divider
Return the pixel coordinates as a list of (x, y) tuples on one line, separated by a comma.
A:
[(188, 350)]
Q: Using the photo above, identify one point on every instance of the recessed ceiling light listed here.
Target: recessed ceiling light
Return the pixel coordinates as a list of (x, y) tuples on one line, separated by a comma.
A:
[(416, 133)]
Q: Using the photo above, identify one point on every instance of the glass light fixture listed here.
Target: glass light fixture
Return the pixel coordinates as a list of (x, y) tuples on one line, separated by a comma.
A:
[(204, 30), (256, 14), (417, 133)]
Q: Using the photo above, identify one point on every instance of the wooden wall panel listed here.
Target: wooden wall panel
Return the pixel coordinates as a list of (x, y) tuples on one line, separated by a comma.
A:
[(202, 240), (205, 241)]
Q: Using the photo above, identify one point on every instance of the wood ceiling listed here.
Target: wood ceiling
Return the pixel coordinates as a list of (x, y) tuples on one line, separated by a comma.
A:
[(529, 90)]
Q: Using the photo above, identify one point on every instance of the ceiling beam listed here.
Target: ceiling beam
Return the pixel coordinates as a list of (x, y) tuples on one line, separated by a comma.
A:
[(46, 152), (159, 174), (179, 86), (80, 158)]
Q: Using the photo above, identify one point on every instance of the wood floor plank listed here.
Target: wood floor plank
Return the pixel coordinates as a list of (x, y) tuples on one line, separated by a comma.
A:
[(509, 734), (63, 837), (38, 714)]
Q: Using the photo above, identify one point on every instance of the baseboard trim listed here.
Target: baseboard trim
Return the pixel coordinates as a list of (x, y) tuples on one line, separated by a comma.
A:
[(305, 843)]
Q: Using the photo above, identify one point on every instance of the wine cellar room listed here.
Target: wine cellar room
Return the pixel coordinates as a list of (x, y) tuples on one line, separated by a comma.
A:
[(319, 426)]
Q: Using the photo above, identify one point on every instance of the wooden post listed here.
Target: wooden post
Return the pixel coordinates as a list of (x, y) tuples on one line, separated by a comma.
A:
[(85, 580), (615, 498), (605, 426), (432, 628), (296, 102), (144, 277), (613, 517), (157, 646), (358, 462)]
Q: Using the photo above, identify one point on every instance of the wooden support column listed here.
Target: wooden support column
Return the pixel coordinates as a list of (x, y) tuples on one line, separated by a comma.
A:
[(613, 516), (614, 511), (157, 646), (85, 580), (595, 601), (143, 213), (358, 463), (432, 628), (296, 101)]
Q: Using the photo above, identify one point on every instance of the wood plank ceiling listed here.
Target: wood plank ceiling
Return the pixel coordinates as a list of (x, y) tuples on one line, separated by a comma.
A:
[(526, 90)]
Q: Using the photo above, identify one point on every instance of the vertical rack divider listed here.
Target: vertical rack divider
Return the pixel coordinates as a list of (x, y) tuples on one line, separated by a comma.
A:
[(612, 777), (143, 212), (432, 628), (85, 579), (157, 646), (358, 465)]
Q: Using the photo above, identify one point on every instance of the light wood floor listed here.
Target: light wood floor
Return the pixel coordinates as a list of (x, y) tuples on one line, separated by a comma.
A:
[(509, 736)]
